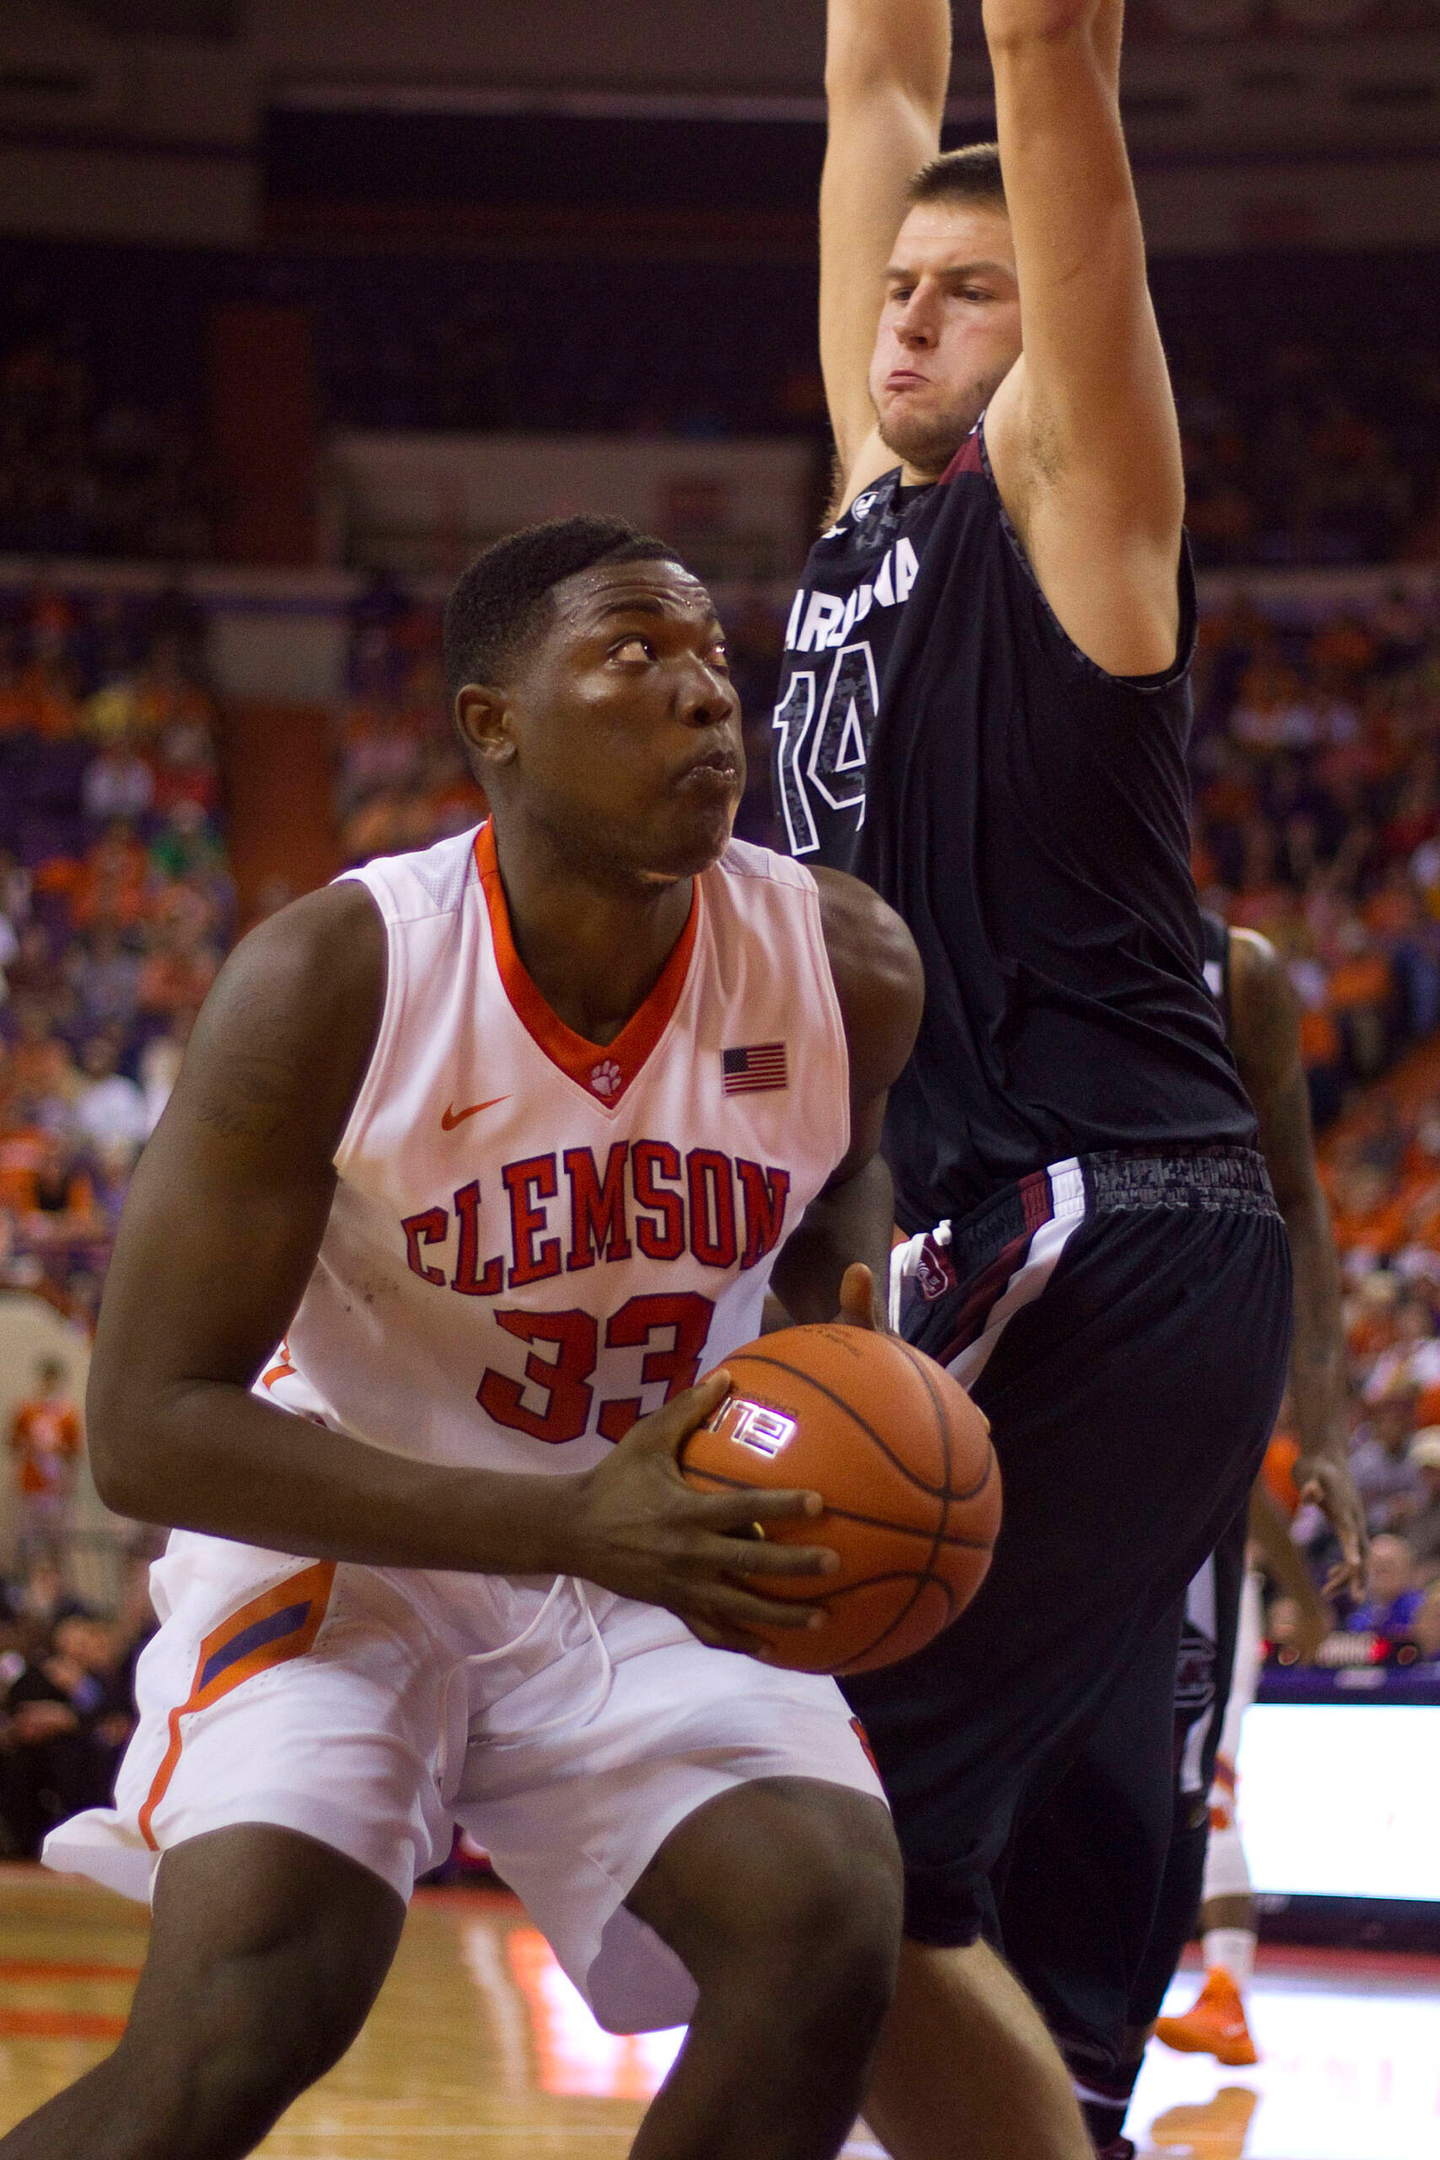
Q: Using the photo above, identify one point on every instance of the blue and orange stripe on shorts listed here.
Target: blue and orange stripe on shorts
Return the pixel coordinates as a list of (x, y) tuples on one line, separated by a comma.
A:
[(281, 1624)]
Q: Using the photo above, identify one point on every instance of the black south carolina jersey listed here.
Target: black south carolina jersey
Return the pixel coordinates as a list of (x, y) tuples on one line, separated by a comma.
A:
[(1028, 815), (1215, 959)]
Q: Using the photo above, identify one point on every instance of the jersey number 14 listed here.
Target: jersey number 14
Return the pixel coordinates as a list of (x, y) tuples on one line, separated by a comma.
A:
[(822, 757)]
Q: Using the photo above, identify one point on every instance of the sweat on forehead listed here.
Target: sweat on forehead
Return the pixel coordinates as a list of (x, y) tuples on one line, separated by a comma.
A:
[(504, 599), (612, 588)]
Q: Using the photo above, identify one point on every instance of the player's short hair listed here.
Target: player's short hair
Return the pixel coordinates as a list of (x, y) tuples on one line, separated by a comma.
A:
[(971, 175), (502, 603)]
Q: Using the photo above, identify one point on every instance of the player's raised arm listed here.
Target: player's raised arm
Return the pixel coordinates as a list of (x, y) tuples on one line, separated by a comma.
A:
[(887, 68), (1082, 435)]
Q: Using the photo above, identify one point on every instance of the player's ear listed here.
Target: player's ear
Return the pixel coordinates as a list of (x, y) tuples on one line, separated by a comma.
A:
[(483, 718)]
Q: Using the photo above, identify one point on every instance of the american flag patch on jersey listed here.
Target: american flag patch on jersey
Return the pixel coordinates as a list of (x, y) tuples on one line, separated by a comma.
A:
[(755, 1066)]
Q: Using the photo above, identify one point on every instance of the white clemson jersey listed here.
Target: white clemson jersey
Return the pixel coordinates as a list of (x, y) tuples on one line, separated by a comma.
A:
[(535, 1240)]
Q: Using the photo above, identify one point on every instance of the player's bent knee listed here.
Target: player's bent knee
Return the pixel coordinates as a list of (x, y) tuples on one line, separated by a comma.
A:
[(793, 1890), (266, 1954)]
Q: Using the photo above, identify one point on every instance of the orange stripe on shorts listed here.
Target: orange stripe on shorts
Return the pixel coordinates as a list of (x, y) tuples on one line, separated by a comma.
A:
[(270, 1630)]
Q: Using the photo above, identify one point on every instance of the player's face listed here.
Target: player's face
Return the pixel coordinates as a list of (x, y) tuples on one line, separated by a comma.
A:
[(627, 727), (949, 330)]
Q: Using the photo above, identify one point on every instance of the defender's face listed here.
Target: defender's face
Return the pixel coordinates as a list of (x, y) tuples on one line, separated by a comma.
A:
[(949, 330), (626, 725)]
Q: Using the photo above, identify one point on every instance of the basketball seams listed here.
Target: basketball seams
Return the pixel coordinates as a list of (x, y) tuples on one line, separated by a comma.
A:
[(844, 1514), (919, 1361), (943, 1427), (857, 1664), (798, 1372)]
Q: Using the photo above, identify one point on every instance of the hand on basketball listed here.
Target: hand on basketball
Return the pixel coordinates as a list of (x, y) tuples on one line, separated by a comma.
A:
[(641, 1530)]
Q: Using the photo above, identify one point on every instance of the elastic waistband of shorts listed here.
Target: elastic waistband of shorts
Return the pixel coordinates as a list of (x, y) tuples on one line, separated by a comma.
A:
[(1215, 1179)]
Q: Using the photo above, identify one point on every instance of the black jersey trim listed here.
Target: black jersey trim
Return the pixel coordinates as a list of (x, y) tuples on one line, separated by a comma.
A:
[(1187, 636)]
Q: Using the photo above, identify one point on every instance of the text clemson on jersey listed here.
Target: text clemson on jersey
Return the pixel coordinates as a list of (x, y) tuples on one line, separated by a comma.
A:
[(648, 1200)]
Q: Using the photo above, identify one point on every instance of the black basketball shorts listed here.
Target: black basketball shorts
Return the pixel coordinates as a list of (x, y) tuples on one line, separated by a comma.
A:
[(1124, 1322), (1102, 1886)]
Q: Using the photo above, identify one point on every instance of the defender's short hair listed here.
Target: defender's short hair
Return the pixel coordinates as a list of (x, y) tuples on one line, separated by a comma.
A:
[(502, 602), (970, 175)]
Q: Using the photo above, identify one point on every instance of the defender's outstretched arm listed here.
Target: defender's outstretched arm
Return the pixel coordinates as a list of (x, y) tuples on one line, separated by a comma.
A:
[(1082, 434), (887, 68)]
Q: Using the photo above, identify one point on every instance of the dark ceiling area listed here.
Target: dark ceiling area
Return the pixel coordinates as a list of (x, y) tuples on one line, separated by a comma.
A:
[(215, 19)]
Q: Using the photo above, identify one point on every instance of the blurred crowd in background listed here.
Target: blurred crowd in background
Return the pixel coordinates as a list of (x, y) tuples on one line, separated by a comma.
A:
[(116, 905)]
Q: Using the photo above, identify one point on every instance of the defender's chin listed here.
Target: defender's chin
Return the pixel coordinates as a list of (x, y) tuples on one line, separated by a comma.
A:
[(926, 442)]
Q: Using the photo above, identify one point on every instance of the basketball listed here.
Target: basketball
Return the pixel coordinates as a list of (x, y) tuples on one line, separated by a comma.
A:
[(904, 1461)]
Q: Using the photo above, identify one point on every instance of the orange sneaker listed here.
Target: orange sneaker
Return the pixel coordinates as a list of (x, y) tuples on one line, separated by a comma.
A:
[(1213, 2025)]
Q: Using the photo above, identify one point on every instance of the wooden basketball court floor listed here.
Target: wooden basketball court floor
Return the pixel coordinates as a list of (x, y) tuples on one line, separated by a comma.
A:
[(480, 2046)]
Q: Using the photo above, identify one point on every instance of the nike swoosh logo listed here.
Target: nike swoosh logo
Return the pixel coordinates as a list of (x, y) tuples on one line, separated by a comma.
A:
[(453, 1117)]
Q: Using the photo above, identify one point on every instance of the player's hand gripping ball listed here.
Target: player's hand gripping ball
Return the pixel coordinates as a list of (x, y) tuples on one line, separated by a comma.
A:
[(904, 1461)]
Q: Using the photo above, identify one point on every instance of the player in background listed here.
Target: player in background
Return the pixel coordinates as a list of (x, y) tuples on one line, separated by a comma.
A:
[(984, 712), (1262, 1018), (46, 1441), (1058, 1880), (475, 1133)]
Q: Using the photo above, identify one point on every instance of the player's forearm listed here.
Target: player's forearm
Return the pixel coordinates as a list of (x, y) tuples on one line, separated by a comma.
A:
[(885, 45), (851, 1223), (1318, 1380), (210, 1456), (1011, 25), (1268, 1530)]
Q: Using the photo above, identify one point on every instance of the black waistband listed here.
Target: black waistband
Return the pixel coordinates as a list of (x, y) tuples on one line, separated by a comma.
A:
[(1230, 1178)]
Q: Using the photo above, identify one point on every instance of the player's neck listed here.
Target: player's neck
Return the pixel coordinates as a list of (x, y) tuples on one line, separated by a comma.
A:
[(593, 950)]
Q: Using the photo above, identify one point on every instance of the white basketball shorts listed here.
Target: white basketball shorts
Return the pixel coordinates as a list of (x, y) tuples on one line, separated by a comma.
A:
[(568, 1730)]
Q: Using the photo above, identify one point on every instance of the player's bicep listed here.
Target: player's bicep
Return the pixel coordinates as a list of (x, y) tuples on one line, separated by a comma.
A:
[(229, 1201), (880, 986), (1083, 436), (211, 1260)]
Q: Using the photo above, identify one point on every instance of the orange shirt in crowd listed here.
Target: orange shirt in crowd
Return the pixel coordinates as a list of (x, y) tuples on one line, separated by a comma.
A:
[(45, 1436), (22, 1151), (1278, 1471)]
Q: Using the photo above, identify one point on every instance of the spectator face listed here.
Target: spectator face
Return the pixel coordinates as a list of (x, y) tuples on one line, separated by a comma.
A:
[(1392, 1570), (87, 1642), (1392, 1422), (1412, 1321), (98, 1058)]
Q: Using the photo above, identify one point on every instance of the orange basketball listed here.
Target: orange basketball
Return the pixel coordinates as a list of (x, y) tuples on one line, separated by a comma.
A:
[(911, 1486)]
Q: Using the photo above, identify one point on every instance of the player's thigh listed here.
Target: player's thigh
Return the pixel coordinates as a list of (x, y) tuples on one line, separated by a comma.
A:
[(266, 1951), (792, 1873), (575, 1808)]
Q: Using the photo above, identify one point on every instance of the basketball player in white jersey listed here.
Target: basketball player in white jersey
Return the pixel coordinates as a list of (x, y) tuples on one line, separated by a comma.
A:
[(480, 1139)]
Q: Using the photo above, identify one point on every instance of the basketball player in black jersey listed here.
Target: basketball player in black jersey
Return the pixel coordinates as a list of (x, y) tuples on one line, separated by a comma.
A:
[(984, 713), (1062, 1885)]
